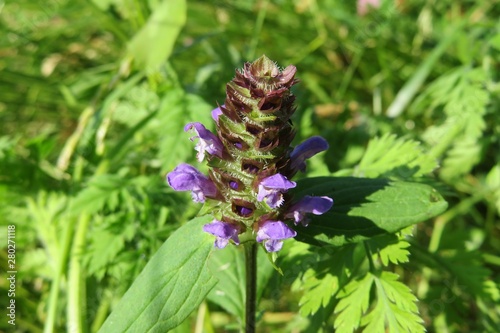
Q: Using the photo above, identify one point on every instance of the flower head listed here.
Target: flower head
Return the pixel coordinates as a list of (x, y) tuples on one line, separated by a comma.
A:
[(305, 150), (271, 189), (250, 160), (208, 142), (309, 204), (272, 233), (223, 232), (187, 178)]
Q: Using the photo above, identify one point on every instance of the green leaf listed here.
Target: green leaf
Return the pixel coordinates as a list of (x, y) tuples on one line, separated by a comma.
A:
[(228, 266), (354, 301), (323, 281), (392, 157), (395, 310), (364, 208), (100, 189), (389, 248), (493, 183), (470, 273), (177, 109), (154, 43), (173, 283)]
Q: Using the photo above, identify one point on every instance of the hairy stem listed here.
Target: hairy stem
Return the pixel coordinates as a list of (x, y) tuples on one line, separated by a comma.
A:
[(251, 286)]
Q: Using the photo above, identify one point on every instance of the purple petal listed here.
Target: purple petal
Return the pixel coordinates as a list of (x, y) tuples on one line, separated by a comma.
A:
[(271, 189), (187, 178), (233, 184), (305, 150), (223, 232), (216, 113), (278, 181), (209, 142), (309, 204), (272, 233)]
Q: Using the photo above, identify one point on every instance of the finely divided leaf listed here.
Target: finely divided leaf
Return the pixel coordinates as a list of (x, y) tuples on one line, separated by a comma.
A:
[(354, 301), (173, 283), (101, 189), (323, 281), (364, 208), (389, 248), (389, 156), (395, 310), (319, 291)]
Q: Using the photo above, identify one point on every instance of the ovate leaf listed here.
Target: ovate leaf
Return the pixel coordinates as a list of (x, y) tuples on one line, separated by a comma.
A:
[(364, 208), (173, 283)]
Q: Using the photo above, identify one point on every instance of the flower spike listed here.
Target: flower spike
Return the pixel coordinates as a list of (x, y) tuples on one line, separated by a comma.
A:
[(251, 162)]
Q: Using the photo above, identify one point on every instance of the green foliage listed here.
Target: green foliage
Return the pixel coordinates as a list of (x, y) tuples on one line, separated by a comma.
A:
[(154, 42), (94, 96), (391, 157), (173, 283), (394, 308), (228, 266), (366, 208), (354, 302)]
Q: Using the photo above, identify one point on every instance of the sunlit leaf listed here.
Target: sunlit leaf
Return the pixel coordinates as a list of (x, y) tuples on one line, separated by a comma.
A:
[(154, 43), (365, 208), (173, 283)]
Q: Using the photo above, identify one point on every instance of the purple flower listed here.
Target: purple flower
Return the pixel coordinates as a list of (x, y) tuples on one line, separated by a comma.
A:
[(208, 141), (272, 233), (187, 178), (271, 188), (224, 232), (305, 150), (309, 204), (216, 113)]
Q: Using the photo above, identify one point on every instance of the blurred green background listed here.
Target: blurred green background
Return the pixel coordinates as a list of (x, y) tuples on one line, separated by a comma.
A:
[(94, 96)]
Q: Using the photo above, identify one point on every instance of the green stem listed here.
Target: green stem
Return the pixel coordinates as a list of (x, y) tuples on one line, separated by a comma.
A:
[(76, 279), (251, 286)]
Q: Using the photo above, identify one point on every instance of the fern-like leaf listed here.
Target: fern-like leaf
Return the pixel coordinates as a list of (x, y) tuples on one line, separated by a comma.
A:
[(392, 157), (353, 304), (395, 310)]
